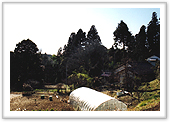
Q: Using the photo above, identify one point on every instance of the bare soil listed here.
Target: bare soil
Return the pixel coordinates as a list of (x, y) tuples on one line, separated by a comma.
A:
[(18, 102)]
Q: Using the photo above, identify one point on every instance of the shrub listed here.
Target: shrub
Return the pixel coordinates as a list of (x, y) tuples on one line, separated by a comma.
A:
[(27, 87), (51, 109), (80, 79)]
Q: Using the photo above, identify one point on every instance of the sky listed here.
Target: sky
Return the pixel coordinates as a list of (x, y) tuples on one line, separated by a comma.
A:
[(49, 26)]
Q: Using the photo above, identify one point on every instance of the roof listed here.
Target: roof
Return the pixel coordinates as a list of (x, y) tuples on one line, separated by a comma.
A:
[(153, 58), (139, 68), (107, 74)]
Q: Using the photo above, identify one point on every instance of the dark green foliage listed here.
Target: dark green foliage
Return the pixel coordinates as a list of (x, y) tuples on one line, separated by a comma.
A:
[(48, 61), (140, 51), (25, 64), (153, 35), (84, 55), (84, 52), (93, 36), (122, 36)]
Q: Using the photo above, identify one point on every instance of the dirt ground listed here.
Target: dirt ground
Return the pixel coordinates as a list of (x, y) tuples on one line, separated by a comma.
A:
[(35, 103)]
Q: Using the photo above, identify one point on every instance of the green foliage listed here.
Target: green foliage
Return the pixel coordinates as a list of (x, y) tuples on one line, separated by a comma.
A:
[(84, 57), (140, 51), (149, 95), (51, 109), (153, 35), (25, 64), (80, 79), (122, 35), (142, 104)]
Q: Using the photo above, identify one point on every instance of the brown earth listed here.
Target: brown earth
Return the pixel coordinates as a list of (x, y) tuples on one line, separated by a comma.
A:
[(34, 102)]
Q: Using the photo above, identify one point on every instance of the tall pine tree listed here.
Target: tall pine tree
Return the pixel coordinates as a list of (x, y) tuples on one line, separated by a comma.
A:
[(92, 36), (153, 35), (122, 35), (140, 50)]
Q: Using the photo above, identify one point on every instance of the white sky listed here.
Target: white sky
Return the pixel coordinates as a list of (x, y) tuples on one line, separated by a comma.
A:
[(49, 25)]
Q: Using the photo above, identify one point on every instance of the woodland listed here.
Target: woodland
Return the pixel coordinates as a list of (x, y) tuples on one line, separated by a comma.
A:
[(84, 58)]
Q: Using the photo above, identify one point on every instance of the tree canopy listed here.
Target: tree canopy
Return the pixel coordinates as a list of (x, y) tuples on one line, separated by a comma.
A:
[(84, 57), (27, 63)]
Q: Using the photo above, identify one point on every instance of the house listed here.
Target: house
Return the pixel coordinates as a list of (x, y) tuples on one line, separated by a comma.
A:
[(142, 70), (153, 59)]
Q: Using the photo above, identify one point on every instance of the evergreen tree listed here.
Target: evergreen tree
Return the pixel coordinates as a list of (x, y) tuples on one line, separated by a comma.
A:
[(153, 35), (69, 48), (93, 36), (122, 36), (140, 50), (80, 38)]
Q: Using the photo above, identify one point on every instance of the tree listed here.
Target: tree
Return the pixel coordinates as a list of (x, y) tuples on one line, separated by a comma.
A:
[(122, 36), (140, 50), (84, 54), (93, 36), (69, 48), (28, 62), (80, 38), (48, 61), (13, 72), (153, 35)]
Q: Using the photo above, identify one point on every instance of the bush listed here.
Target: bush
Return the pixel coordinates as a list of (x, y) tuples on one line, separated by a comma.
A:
[(51, 109), (80, 79), (27, 87)]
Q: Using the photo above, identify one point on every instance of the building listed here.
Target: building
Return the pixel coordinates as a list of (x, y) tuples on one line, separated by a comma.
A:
[(153, 59), (143, 70)]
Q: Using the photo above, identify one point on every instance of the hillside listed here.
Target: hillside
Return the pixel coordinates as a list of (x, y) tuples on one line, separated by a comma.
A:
[(148, 97)]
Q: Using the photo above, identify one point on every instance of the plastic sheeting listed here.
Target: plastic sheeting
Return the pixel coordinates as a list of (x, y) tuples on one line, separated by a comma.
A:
[(86, 99)]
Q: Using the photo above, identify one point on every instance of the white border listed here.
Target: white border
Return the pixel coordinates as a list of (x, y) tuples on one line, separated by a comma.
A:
[(124, 114)]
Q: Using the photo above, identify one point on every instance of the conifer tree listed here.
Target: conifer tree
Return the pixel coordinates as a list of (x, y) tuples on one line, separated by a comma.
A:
[(153, 35), (92, 36)]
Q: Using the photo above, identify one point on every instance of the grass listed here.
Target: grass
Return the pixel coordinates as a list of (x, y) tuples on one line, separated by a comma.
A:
[(55, 90), (150, 97)]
